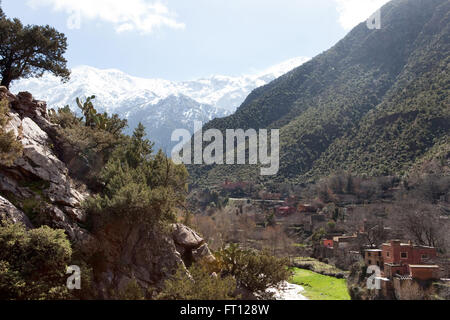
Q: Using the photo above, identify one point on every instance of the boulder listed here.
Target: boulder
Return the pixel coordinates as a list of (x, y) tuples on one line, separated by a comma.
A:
[(25, 97), (25, 105), (203, 253), (186, 237)]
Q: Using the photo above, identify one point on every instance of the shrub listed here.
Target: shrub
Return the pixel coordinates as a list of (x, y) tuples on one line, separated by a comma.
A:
[(132, 291), (139, 186), (33, 263), (88, 142), (199, 284), (255, 271)]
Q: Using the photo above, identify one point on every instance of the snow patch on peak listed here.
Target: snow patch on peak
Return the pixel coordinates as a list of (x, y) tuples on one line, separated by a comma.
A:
[(160, 104)]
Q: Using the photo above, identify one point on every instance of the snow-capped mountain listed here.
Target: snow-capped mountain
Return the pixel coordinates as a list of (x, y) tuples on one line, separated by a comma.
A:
[(161, 105)]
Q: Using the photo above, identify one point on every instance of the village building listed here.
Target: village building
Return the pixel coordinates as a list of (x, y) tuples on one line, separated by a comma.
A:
[(285, 211), (405, 260), (306, 208), (344, 242), (327, 243), (374, 257), (231, 186), (404, 267), (424, 272)]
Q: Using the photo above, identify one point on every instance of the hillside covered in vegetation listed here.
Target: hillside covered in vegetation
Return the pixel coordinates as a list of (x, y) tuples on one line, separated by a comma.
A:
[(376, 103)]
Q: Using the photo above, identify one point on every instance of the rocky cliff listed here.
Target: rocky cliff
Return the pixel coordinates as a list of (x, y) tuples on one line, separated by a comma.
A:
[(38, 189)]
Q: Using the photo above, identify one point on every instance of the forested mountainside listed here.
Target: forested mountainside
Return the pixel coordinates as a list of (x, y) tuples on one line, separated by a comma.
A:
[(376, 103)]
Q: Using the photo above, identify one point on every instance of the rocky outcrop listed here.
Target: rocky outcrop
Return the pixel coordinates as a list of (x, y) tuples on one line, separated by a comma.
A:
[(134, 252), (39, 182), (203, 252), (10, 212), (44, 193), (186, 237), (189, 244), (148, 256)]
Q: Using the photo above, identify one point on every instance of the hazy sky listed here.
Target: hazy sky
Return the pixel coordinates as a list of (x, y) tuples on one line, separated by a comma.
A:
[(188, 39)]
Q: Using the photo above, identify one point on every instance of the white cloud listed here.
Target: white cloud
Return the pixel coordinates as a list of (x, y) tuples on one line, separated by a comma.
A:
[(352, 12), (126, 15)]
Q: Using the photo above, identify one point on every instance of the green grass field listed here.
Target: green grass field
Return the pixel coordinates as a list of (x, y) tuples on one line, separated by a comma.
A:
[(319, 287)]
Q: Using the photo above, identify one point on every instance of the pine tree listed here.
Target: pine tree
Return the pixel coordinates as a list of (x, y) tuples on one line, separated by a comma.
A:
[(141, 148)]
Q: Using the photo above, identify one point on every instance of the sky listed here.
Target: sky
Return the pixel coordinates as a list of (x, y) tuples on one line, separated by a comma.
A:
[(189, 39)]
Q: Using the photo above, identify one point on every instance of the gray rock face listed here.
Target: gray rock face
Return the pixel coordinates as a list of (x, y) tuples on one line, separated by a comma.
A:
[(11, 213), (190, 245), (149, 256), (135, 252), (39, 175), (186, 237)]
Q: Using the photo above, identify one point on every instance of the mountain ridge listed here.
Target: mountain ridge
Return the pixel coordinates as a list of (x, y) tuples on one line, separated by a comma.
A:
[(148, 100), (321, 106)]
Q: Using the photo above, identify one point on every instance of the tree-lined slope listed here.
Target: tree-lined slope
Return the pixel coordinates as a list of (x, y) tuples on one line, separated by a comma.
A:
[(374, 103)]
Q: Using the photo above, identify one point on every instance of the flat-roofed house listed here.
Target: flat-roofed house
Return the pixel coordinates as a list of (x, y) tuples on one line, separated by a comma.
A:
[(404, 259), (344, 242), (424, 272), (398, 257), (373, 257)]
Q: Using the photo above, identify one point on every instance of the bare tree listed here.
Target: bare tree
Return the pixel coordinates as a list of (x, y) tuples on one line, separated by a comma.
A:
[(423, 224), (374, 232)]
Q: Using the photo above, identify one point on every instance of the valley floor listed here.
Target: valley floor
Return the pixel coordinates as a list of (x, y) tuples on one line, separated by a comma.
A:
[(320, 287)]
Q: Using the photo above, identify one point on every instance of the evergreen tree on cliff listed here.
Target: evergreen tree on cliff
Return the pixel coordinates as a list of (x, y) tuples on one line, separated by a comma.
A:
[(29, 51)]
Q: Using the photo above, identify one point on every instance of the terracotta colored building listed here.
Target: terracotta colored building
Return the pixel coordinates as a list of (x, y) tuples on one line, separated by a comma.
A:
[(328, 243), (396, 252), (398, 257), (307, 208), (232, 186), (285, 211), (424, 272), (404, 259)]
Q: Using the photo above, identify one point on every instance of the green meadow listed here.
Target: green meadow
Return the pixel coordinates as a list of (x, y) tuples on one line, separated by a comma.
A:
[(320, 287)]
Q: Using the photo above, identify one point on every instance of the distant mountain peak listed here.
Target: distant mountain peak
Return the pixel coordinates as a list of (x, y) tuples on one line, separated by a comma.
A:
[(158, 103)]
